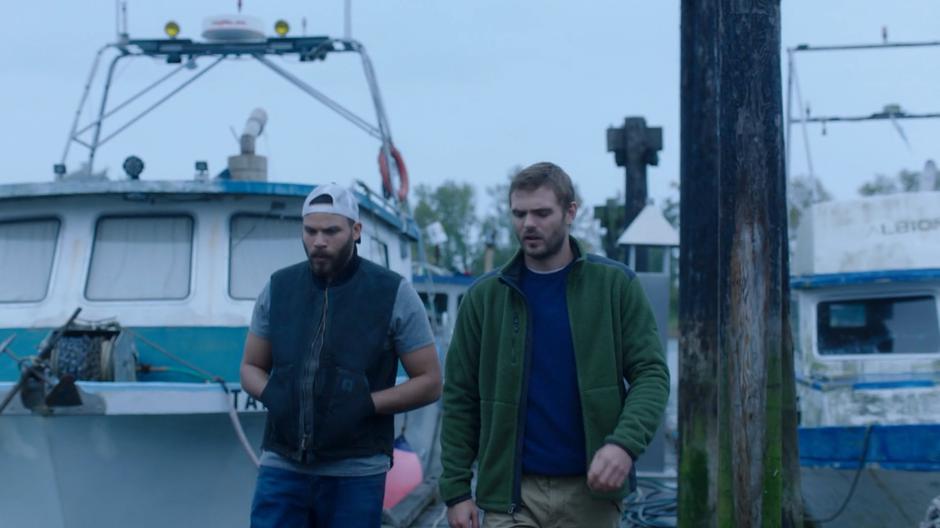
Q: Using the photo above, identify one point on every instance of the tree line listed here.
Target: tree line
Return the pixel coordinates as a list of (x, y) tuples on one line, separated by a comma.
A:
[(804, 191), (470, 231)]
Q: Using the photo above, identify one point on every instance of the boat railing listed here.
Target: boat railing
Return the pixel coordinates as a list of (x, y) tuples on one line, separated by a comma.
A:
[(184, 55)]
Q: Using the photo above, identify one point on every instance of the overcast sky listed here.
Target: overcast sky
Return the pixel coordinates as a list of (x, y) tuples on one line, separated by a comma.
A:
[(472, 88)]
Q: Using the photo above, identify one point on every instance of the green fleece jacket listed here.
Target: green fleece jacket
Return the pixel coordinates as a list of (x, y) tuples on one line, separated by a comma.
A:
[(615, 339)]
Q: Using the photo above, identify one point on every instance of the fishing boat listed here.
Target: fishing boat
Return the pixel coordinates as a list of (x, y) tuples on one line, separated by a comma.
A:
[(441, 292), (124, 305), (864, 306), (866, 298)]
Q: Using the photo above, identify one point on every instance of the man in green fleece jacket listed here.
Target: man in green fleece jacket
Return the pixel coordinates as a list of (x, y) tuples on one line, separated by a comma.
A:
[(534, 390)]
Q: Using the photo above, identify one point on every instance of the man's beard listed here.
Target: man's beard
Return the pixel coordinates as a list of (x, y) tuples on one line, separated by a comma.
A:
[(329, 265), (551, 244)]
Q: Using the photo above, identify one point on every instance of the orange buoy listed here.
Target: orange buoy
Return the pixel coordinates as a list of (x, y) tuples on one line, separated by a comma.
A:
[(402, 194), (405, 475)]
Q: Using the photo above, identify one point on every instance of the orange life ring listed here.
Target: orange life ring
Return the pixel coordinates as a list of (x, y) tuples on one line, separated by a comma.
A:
[(402, 174)]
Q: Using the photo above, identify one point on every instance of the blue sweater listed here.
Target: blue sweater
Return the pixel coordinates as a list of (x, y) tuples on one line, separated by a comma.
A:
[(554, 430)]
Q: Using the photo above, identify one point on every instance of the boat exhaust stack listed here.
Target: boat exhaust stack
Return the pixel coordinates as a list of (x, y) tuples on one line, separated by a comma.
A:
[(247, 165)]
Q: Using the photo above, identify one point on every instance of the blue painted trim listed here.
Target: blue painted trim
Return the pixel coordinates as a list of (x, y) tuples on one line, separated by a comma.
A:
[(382, 211), (899, 447), (894, 384), (155, 386), (215, 349), (213, 187), (811, 383), (809, 282), (71, 188), (458, 280), (899, 381)]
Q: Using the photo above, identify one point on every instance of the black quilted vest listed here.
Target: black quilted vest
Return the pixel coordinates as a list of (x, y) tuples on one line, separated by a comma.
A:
[(331, 348)]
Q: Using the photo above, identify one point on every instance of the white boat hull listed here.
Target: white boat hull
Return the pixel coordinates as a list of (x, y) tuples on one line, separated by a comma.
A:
[(126, 470), (151, 455)]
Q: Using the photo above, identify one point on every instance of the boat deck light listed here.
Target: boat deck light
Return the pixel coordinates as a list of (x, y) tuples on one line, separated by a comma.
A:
[(133, 166), (172, 29)]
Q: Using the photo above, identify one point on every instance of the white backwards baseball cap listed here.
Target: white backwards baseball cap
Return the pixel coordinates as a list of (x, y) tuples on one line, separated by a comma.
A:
[(344, 203)]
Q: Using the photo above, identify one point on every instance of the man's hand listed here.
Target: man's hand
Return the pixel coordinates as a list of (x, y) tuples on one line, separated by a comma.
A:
[(256, 365), (610, 467), (463, 515)]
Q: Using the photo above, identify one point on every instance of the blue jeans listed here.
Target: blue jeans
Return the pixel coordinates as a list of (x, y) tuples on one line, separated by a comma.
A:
[(287, 499)]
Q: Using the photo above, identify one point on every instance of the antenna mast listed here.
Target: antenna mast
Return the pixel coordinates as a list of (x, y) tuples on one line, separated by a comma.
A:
[(124, 19), (891, 112), (120, 19)]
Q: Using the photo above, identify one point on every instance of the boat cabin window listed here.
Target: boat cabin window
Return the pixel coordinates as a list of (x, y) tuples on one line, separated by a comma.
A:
[(141, 258), (439, 310), (259, 246), (27, 249), (883, 325), (379, 252)]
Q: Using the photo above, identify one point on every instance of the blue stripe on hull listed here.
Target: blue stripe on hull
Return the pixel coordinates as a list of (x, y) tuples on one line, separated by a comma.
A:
[(870, 382), (25, 344), (215, 349), (828, 280), (901, 447)]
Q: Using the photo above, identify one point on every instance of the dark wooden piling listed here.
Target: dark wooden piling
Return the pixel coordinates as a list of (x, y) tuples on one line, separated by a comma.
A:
[(698, 267), (737, 403)]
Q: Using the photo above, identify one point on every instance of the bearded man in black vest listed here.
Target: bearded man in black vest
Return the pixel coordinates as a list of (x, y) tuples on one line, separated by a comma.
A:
[(322, 354)]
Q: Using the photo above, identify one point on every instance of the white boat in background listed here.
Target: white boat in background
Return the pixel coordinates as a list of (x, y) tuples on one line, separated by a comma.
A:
[(866, 298), (441, 291), (126, 414)]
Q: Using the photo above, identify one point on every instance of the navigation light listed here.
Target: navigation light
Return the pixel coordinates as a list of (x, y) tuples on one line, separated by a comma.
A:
[(172, 29), (281, 27)]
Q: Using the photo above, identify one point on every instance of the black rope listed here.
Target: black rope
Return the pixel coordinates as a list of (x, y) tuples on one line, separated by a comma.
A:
[(653, 506), (858, 473), (209, 377), (205, 373)]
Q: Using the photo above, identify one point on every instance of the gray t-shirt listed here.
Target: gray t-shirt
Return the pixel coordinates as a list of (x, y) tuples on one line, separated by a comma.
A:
[(409, 330)]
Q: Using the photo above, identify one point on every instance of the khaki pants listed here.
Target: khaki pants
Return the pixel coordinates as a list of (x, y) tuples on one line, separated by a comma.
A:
[(557, 502)]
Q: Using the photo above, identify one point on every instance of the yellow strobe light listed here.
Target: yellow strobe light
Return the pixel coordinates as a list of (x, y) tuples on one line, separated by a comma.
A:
[(281, 28), (172, 29)]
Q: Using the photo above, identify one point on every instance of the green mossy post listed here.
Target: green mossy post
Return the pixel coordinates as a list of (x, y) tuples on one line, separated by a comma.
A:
[(738, 446)]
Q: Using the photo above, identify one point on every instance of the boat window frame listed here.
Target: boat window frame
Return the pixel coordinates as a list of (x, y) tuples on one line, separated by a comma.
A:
[(374, 242), (231, 221), (55, 252), (429, 298), (857, 295), (374, 227), (192, 252)]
